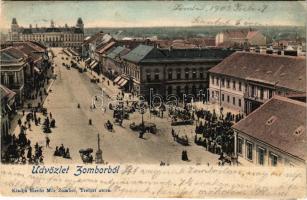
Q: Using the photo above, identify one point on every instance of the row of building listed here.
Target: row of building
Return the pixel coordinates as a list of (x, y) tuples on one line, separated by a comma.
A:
[(270, 89), (24, 68)]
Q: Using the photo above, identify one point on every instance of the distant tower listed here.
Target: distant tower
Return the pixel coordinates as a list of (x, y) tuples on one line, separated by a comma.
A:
[(14, 33), (30, 26), (52, 24), (80, 24)]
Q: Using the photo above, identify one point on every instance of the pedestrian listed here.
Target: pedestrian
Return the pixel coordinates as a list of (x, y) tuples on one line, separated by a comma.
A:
[(47, 142), (19, 122), (29, 126), (23, 112), (50, 115), (39, 120)]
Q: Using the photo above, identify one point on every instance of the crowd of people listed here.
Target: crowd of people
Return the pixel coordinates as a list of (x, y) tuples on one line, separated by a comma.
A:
[(16, 151), (215, 134), (62, 152)]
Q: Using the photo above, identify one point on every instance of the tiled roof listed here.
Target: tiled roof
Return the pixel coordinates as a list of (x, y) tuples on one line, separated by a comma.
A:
[(149, 54), (278, 123), (51, 29), (102, 48), (283, 71), (94, 37), (118, 51), (137, 54)]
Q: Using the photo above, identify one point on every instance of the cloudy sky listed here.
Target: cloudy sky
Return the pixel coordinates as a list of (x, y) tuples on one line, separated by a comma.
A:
[(153, 13)]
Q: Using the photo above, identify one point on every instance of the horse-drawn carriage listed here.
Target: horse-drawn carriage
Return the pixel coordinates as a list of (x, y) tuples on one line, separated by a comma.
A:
[(148, 127), (86, 155)]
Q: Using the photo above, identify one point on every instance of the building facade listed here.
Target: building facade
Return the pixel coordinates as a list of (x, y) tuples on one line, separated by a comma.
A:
[(171, 71), (273, 135), (240, 38), (244, 81), (49, 36)]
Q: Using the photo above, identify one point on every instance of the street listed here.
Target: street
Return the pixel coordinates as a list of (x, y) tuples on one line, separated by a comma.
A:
[(122, 146)]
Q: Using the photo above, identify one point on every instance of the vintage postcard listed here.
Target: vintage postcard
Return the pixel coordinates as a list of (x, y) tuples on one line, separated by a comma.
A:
[(176, 99)]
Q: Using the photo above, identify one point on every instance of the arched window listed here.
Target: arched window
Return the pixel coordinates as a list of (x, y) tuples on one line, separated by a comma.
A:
[(194, 74), (170, 74), (148, 75), (178, 90), (186, 73), (157, 74), (178, 71), (186, 89), (169, 90), (201, 73)]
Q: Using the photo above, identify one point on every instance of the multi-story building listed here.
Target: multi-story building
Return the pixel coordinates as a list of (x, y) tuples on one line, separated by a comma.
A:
[(244, 81), (23, 67), (273, 135), (113, 63), (171, 71), (49, 36), (12, 73), (240, 38), (7, 108)]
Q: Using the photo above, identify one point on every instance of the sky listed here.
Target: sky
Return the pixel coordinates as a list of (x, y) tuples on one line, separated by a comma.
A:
[(153, 13)]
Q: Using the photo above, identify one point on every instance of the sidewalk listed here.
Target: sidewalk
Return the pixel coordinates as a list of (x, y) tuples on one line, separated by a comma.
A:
[(110, 89)]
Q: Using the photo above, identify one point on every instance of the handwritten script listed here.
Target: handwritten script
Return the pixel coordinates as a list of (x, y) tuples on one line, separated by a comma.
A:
[(234, 7), (158, 181)]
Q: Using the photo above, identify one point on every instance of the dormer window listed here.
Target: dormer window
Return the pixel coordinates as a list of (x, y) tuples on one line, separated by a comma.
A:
[(271, 120), (299, 131)]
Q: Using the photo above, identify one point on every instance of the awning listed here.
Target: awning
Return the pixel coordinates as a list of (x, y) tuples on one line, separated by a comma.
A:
[(93, 64), (123, 83), (37, 70), (9, 107), (117, 79), (87, 60)]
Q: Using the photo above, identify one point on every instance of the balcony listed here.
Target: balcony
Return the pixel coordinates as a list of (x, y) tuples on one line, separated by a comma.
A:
[(254, 98)]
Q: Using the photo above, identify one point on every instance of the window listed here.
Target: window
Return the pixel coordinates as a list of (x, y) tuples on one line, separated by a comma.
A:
[(212, 80), (249, 151), (217, 81), (228, 83), (156, 75), (261, 153), (178, 90), (212, 94), (194, 74), (223, 82), (270, 94), (186, 75), (261, 93), (253, 91), (228, 98), (201, 73), (273, 159), (234, 85), (240, 86), (240, 145), (233, 100), (148, 76), (240, 103), (170, 74), (178, 74), (186, 89), (169, 90), (222, 97)]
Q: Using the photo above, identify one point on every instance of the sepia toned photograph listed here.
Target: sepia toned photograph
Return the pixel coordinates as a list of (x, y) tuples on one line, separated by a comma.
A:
[(101, 87)]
